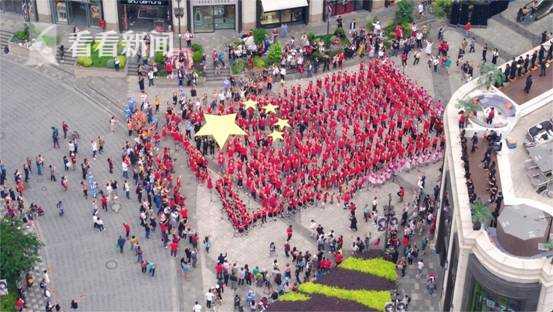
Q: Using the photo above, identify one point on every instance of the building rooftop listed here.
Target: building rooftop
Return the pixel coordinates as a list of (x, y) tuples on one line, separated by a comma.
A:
[(517, 157)]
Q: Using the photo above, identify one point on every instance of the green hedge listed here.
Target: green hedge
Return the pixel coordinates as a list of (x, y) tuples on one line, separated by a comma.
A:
[(105, 61), (7, 302), (294, 296), (275, 53), (197, 56), (237, 67), (259, 62), (377, 266), (442, 7), (369, 298), (197, 47)]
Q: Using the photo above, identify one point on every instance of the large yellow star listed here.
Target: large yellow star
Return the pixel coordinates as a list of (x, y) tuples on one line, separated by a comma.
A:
[(270, 108), (276, 135), (282, 123), (220, 127), (250, 104)]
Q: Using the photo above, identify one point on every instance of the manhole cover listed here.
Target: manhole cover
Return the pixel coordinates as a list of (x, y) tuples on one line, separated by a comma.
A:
[(43, 188), (111, 264)]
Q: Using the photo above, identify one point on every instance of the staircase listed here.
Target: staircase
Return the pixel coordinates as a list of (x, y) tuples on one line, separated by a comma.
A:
[(5, 37), (67, 58), (211, 75)]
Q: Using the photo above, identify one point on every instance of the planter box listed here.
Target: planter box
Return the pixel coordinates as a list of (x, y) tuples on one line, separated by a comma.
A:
[(81, 72)]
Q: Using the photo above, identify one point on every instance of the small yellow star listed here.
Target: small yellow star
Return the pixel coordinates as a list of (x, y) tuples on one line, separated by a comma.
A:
[(250, 104), (220, 127), (270, 108), (276, 135), (282, 123)]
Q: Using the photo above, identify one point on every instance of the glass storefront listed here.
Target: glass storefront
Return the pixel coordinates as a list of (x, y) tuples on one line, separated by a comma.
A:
[(485, 300), (275, 18), (77, 12), (339, 7), (145, 15), (213, 17), (26, 8)]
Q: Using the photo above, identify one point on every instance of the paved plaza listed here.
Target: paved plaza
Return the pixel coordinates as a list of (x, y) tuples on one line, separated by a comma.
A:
[(86, 264)]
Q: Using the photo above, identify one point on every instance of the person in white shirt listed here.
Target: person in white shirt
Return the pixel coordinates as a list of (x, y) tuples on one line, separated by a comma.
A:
[(420, 8), (150, 77), (209, 299), (197, 307)]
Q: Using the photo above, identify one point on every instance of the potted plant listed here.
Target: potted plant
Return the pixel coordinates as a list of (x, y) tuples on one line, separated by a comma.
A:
[(480, 215), (490, 75), (468, 106)]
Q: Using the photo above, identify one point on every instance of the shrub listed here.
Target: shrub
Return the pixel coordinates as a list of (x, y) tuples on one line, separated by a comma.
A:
[(311, 36), (340, 32), (275, 53), (197, 47), (404, 12), (259, 35), (7, 302), (122, 61), (376, 266), (197, 57), (370, 23), (369, 298), (237, 67), (19, 250), (110, 63), (294, 296), (159, 57), (259, 62), (85, 61), (442, 8)]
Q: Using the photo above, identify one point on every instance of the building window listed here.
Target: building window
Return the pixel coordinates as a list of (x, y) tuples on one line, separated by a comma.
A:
[(81, 13), (483, 299), (214, 17), (145, 15), (276, 18)]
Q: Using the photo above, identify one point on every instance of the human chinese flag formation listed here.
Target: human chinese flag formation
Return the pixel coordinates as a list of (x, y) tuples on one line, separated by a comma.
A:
[(323, 142)]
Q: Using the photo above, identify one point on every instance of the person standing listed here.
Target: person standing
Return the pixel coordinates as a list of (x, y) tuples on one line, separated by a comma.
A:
[(484, 53), (55, 137), (543, 66), (495, 56), (52, 173), (59, 205), (209, 299), (110, 165), (127, 189), (65, 129), (121, 243), (289, 232), (151, 78), (528, 84)]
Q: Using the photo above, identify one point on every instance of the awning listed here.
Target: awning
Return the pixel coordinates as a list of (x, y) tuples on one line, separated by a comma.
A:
[(277, 5)]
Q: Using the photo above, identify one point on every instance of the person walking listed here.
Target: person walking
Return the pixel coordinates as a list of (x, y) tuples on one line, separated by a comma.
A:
[(528, 84), (121, 243), (110, 165), (59, 205), (55, 137), (52, 173), (151, 267), (289, 232)]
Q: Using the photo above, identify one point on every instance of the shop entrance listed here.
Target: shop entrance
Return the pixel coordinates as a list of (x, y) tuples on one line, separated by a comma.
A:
[(145, 17), (77, 12), (214, 17)]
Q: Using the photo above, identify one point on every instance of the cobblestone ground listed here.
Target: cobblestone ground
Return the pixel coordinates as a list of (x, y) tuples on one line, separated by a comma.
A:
[(84, 263)]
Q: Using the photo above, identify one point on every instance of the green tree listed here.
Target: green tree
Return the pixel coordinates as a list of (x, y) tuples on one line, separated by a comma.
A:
[(19, 251), (275, 53), (490, 75), (442, 8), (480, 214), (404, 12), (259, 35)]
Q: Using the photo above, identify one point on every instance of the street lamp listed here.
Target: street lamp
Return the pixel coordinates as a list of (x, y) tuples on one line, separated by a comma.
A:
[(387, 215), (179, 13), (328, 12)]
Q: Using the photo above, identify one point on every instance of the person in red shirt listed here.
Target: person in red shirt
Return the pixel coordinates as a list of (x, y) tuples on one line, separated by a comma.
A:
[(468, 28), (174, 246), (127, 229), (289, 233), (19, 304), (338, 257)]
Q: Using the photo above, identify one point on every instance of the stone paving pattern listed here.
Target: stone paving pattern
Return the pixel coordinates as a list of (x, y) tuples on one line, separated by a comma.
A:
[(78, 257)]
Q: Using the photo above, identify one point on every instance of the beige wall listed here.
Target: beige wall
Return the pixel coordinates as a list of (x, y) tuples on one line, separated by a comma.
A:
[(110, 14), (183, 18), (316, 11), (249, 11), (44, 12)]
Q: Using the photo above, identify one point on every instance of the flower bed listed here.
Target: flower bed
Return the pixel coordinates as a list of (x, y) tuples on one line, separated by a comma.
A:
[(368, 298), (294, 296), (376, 266), (318, 303), (349, 279)]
